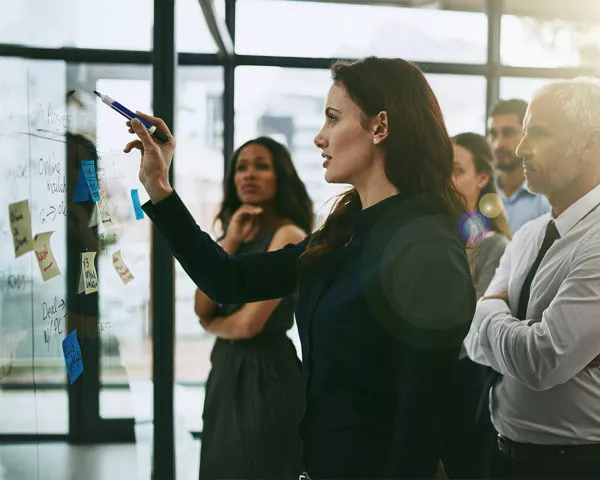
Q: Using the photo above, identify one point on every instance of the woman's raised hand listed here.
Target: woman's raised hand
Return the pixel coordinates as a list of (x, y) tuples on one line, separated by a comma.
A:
[(156, 157)]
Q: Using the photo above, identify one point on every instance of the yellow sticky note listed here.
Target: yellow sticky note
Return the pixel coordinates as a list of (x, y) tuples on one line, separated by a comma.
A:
[(103, 208), (44, 255), (88, 277), (121, 268), (20, 226)]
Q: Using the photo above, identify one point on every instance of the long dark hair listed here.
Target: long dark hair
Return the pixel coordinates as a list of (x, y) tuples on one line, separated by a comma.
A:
[(418, 152), (482, 157), (291, 198)]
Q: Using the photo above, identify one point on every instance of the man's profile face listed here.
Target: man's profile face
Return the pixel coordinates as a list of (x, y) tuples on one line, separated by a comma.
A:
[(550, 148), (504, 134)]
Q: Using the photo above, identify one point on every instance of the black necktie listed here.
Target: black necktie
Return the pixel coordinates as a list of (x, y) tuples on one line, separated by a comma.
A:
[(549, 238)]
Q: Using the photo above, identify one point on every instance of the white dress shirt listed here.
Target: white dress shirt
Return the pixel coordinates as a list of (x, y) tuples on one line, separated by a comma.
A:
[(547, 395)]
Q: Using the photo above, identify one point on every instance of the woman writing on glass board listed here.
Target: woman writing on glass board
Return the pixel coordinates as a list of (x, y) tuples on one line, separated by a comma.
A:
[(265, 206), (385, 295)]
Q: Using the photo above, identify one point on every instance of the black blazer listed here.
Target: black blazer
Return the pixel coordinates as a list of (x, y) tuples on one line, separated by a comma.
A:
[(381, 323)]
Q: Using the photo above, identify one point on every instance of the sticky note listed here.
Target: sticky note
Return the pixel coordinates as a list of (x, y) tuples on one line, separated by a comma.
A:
[(88, 278), (82, 191), (121, 268), (72, 353), (90, 177), (20, 226), (103, 208), (137, 206), (44, 255), (94, 217)]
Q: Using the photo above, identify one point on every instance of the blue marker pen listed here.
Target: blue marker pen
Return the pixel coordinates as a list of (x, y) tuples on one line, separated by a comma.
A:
[(155, 132)]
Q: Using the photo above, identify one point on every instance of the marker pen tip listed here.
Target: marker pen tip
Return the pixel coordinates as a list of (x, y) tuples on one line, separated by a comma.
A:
[(97, 93)]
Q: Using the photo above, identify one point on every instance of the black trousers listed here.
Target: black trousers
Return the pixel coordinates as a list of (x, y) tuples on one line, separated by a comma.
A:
[(470, 439), (552, 468)]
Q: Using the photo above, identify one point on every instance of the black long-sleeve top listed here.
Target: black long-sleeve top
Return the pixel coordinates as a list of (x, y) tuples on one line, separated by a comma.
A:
[(380, 321)]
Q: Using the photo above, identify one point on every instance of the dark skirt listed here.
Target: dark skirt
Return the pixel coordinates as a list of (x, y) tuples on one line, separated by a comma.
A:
[(252, 411)]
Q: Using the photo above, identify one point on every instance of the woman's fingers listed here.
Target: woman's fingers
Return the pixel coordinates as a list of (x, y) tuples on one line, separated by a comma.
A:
[(157, 122), (134, 144)]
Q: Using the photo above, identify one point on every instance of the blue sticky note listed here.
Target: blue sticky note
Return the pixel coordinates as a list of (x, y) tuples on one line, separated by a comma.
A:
[(90, 176), (137, 206), (82, 191), (72, 354)]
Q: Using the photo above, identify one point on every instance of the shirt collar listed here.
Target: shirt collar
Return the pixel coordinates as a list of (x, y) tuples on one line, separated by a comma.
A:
[(571, 216), (522, 189), (370, 216)]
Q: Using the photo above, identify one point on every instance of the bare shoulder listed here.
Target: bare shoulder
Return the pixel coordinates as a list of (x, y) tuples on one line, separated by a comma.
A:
[(286, 234)]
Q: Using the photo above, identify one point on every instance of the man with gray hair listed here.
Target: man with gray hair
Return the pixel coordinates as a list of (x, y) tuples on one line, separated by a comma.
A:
[(538, 324)]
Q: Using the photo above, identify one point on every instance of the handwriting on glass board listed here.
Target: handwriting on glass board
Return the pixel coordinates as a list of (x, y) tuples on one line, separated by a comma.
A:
[(48, 214), (95, 329), (10, 281), (54, 328), (47, 115), (56, 186), (49, 167), (52, 308)]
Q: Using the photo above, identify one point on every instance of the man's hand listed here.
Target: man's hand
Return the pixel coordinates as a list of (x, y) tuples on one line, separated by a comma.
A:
[(497, 296)]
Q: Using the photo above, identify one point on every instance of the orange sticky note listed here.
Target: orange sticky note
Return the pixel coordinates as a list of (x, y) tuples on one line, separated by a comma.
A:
[(44, 255), (121, 268)]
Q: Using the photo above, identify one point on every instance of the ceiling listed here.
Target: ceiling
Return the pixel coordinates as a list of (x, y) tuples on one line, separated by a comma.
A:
[(585, 10)]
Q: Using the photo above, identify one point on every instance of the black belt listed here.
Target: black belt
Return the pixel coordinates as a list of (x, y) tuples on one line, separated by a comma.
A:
[(529, 451)]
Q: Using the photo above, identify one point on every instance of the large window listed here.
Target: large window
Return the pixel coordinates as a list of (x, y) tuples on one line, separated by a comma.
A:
[(198, 179), (462, 100), (523, 88), (287, 104), (534, 42), (310, 29), (111, 24)]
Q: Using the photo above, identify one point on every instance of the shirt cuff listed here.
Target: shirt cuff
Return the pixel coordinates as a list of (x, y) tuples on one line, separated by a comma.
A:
[(172, 219), (486, 310), (155, 209)]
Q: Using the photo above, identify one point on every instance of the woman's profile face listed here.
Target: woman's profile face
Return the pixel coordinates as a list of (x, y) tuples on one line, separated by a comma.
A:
[(347, 147), (255, 178), (465, 176)]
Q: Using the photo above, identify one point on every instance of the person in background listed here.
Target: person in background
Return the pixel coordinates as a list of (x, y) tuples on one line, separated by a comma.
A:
[(468, 454), (385, 295), (505, 131), (474, 178), (254, 392), (537, 325)]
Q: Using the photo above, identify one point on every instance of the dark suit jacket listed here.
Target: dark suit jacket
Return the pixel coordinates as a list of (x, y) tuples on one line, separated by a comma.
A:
[(381, 323)]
